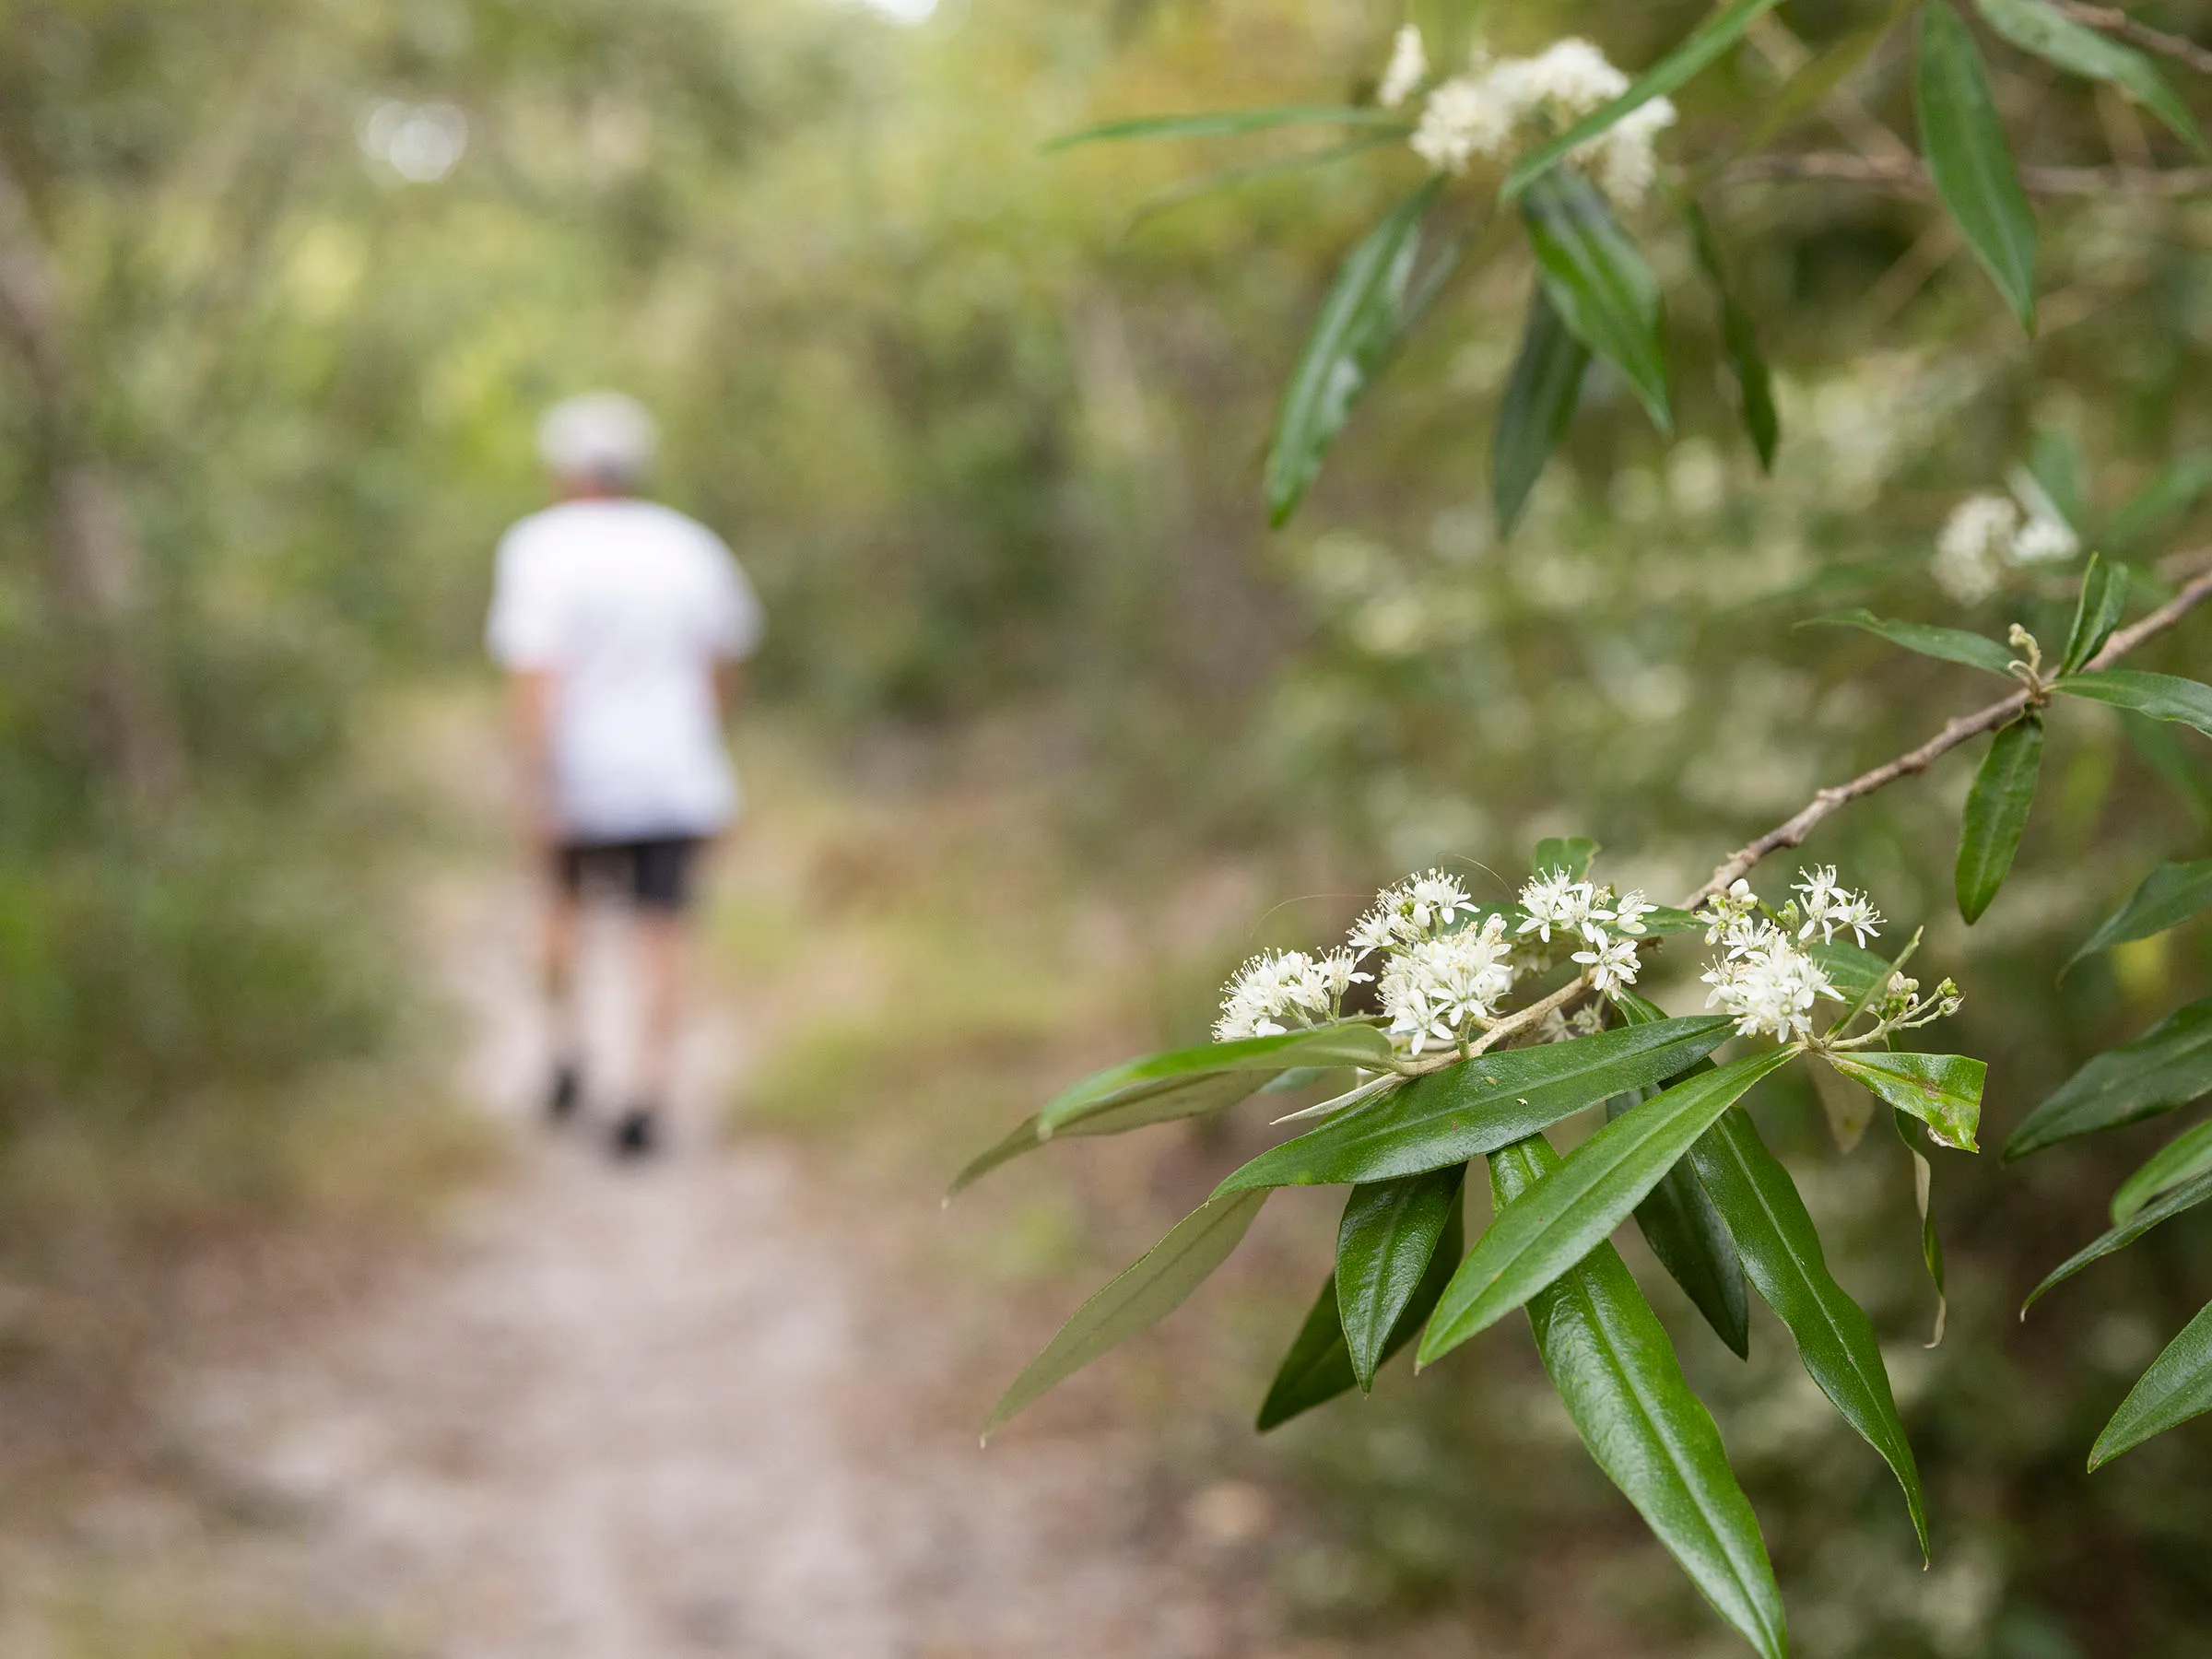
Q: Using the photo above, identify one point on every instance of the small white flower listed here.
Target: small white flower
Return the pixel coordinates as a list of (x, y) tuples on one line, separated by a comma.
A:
[(1556, 899), (1407, 68), (1589, 1020), (1463, 118), (1770, 985), (2044, 539), (1610, 961), (1435, 988), (1627, 915), (1974, 537)]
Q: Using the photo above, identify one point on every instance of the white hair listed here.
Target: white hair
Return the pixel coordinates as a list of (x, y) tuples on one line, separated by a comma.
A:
[(604, 437)]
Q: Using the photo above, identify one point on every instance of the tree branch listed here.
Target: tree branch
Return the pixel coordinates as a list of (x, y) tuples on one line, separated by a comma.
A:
[(1910, 178), (1793, 829), (2112, 20)]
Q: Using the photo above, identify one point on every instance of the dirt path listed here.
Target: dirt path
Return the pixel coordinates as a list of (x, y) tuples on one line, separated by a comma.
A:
[(623, 1414)]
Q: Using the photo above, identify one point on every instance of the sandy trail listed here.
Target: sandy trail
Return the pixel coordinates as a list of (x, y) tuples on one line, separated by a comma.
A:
[(627, 1413)]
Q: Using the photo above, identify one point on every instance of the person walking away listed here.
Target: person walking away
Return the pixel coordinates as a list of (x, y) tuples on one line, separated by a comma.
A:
[(621, 624)]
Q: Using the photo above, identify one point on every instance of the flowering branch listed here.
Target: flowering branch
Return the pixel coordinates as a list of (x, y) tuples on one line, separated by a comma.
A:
[(1911, 178), (2112, 20), (1793, 830)]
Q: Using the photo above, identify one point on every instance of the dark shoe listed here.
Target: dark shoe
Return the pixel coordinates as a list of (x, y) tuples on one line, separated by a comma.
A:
[(566, 1094), (638, 1135)]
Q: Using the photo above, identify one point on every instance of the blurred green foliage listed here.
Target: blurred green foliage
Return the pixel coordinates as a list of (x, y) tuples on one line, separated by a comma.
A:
[(989, 442)]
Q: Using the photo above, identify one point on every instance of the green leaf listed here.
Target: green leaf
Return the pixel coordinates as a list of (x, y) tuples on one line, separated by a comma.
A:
[(2161, 696), (1384, 1246), (2168, 1066), (2163, 751), (2170, 493), (1318, 1366), (2177, 1387), (1224, 124), (1599, 284), (2170, 896), (2054, 463), (2056, 38), (1782, 1254), (1704, 44), (1951, 645), (1679, 1222), (1539, 401), (1739, 340), (1609, 1357), (2096, 613), (1147, 1292), (1820, 75), (1187, 1082), (1666, 919), (1855, 973), (2163, 1208), (1944, 1091), (1914, 1134), (1966, 154), (1352, 337), (2184, 1157), (1686, 1232), (1227, 178), (1446, 1117), (1996, 811), (1556, 1222), (1572, 853)]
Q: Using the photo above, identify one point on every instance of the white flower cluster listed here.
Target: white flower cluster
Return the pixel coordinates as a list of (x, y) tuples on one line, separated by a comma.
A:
[(1279, 985), (1987, 532), (1764, 980), (1442, 976), (1495, 105)]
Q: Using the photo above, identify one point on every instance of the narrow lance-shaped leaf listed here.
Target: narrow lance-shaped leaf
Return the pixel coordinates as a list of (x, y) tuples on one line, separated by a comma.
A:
[(1226, 124), (1557, 1222), (1944, 1091), (1996, 812), (2171, 492), (1686, 1232), (2161, 695), (1820, 75), (1615, 1371), (1950, 644), (1146, 1292), (1384, 1246), (1319, 1365), (2170, 896), (1679, 1222), (1705, 43), (2095, 612), (1446, 1117), (2183, 1158), (2168, 1066), (1599, 283), (2035, 26), (2177, 1387), (1351, 340), (2187, 1197), (1782, 1254), (1739, 340), (1187, 1082), (1969, 158), (1228, 178), (1539, 401), (1914, 1135), (2055, 466)]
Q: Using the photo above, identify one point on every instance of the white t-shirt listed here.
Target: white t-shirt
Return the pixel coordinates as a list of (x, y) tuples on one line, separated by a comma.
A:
[(629, 606)]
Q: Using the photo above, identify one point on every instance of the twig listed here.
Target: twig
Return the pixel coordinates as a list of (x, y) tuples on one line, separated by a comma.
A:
[(2112, 20), (1793, 829), (1910, 178)]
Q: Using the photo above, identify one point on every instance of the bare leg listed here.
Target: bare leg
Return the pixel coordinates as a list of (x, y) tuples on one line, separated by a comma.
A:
[(665, 948), (558, 943)]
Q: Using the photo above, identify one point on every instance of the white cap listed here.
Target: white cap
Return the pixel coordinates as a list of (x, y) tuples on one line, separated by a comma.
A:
[(606, 437)]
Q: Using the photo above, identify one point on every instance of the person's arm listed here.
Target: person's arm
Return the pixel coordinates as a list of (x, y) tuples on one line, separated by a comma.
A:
[(530, 712)]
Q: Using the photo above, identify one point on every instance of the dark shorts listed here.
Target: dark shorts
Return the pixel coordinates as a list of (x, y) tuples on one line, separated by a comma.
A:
[(653, 874)]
